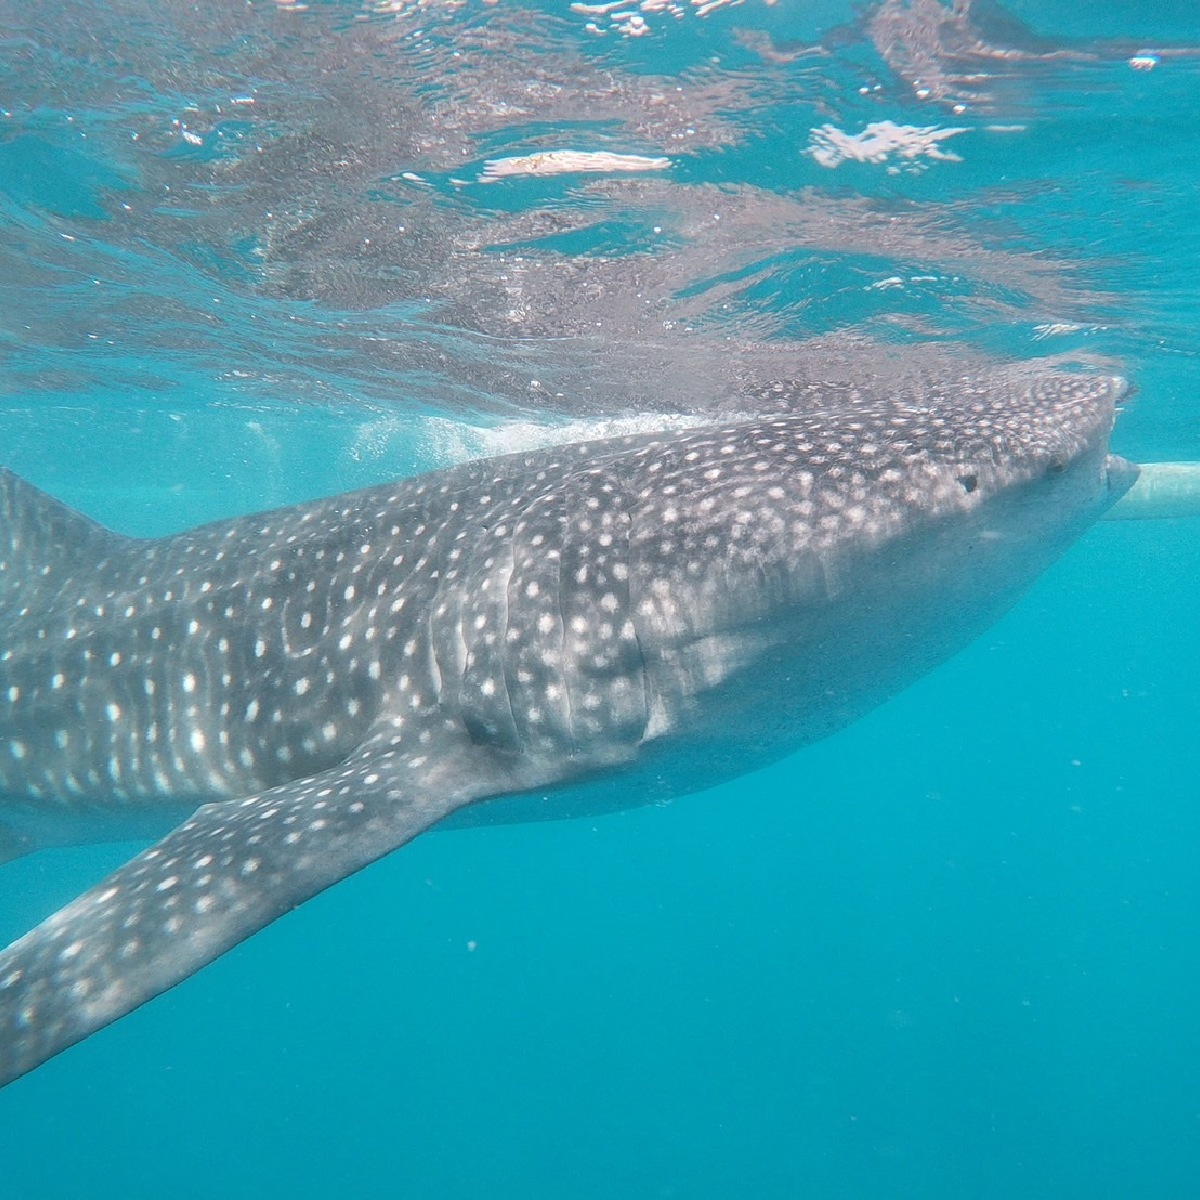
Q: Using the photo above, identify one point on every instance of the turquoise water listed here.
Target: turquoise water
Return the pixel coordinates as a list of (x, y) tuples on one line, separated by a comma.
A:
[(950, 951)]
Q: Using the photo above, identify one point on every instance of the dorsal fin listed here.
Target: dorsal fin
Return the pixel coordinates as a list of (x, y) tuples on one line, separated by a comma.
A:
[(42, 542)]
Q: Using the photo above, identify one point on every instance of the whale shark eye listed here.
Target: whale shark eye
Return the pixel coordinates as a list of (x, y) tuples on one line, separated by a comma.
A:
[(969, 482)]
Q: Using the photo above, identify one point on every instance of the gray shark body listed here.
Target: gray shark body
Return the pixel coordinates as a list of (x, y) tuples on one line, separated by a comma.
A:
[(295, 694)]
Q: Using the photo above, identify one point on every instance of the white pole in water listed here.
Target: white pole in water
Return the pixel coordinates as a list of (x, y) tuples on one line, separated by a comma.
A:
[(1162, 490)]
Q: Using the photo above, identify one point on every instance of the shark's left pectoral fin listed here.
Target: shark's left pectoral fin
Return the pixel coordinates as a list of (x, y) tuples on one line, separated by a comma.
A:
[(12, 844), (226, 872)]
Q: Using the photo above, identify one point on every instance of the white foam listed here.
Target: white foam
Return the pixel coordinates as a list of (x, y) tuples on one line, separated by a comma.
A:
[(882, 142), (439, 442)]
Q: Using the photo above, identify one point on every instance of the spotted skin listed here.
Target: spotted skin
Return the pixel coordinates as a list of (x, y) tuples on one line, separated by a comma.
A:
[(299, 692)]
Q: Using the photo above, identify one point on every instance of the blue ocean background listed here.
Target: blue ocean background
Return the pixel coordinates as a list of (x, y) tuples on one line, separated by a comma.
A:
[(949, 952)]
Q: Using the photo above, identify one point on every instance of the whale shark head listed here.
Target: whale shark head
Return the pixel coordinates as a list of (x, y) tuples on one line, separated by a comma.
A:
[(785, 574), (549, 633)]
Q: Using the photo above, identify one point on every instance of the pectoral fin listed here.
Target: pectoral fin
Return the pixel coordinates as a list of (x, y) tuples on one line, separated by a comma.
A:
[(226, 872)]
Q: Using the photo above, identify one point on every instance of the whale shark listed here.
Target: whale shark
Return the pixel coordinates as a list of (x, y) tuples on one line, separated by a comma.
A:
[(282, 698)]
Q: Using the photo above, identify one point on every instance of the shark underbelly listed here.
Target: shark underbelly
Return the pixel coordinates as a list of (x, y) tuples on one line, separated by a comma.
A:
[(25, 826)]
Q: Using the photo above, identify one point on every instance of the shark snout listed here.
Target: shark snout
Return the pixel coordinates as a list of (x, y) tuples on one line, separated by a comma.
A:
[(1120, 475)]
